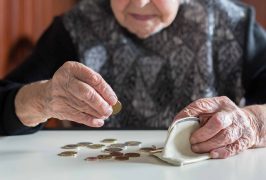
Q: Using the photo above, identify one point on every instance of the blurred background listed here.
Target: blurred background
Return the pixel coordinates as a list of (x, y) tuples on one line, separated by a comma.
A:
[(23, 21)]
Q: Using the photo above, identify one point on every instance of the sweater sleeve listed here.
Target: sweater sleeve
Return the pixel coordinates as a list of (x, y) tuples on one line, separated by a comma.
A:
[(53, 49), (254, 74)]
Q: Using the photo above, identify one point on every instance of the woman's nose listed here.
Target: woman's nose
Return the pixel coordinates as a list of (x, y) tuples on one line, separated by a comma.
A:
[(140, 3)]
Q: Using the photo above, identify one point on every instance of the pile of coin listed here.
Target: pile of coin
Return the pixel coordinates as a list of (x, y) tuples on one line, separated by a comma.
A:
[(110, 149)]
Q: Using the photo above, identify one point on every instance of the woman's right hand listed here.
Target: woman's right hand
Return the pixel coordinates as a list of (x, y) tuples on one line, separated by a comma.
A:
[(75, 93)]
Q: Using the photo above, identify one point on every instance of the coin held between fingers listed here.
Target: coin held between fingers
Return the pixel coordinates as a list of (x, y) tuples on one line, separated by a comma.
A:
[(117, 108)]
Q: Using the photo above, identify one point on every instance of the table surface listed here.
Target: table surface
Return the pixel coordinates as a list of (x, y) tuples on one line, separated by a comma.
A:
[(35, 157)]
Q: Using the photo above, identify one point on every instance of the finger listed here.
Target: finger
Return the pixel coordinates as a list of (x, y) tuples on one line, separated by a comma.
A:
[(223, 138), (82, 118), (82, 106), (87, 94), (217, 122), (95, 80), (205, 106), (230, 150)]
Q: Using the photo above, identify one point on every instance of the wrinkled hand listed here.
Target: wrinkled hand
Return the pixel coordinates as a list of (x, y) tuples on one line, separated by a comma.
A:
[(79, 94), (225, 130), (75, 93)]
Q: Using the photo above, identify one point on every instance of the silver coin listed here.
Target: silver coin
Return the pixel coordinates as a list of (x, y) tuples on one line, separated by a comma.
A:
[(118, 145)]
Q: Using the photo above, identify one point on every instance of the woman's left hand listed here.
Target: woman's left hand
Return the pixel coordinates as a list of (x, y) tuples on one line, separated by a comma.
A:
[(226, 129)]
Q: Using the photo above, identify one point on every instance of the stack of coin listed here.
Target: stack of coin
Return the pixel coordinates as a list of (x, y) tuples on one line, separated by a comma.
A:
[(114, 150)]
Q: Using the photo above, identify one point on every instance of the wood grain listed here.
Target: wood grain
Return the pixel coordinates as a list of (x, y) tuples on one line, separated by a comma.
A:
[(26, 18)]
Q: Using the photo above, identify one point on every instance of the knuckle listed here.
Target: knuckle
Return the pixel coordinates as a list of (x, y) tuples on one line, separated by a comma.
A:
[(226, 102), (217, 121), (224, 99), (205, 104), (103, 87), (225, 138), (69, 65), (95, 79)]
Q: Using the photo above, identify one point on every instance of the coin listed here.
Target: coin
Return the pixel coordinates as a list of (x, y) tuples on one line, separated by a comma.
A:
[(113, 150), (132, 143), (132, 155), (109, 140), (156, 151), (115, 154), (146, 149), (117, 145), (117, 108), (96, 146), (104, 157), (84, 144), (122, 158), (91, 159), (68, 154), (70, 146)]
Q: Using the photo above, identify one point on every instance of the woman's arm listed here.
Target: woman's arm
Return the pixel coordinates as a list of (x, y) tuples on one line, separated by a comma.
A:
[(52, 50)]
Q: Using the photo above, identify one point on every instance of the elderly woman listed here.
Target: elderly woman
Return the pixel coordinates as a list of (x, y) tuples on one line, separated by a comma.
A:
[(157, 57)]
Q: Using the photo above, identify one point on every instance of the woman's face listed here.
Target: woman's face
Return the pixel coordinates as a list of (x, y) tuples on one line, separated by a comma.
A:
[(145, 17)]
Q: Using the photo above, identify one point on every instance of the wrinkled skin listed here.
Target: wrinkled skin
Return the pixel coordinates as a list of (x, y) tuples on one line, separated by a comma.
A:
[(75, 93), (226, 129), (162, 13)]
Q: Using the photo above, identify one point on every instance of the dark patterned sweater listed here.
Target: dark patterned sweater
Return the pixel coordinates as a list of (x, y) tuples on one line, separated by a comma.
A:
[(213, 48)]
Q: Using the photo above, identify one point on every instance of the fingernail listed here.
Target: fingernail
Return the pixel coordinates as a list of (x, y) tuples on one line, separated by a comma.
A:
[(98, 122), (195, 148), (113, 99), (104, 117), (214, 155), (109, 111)]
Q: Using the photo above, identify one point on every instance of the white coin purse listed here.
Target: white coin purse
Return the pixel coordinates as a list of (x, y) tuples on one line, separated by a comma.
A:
[(177, 149)]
